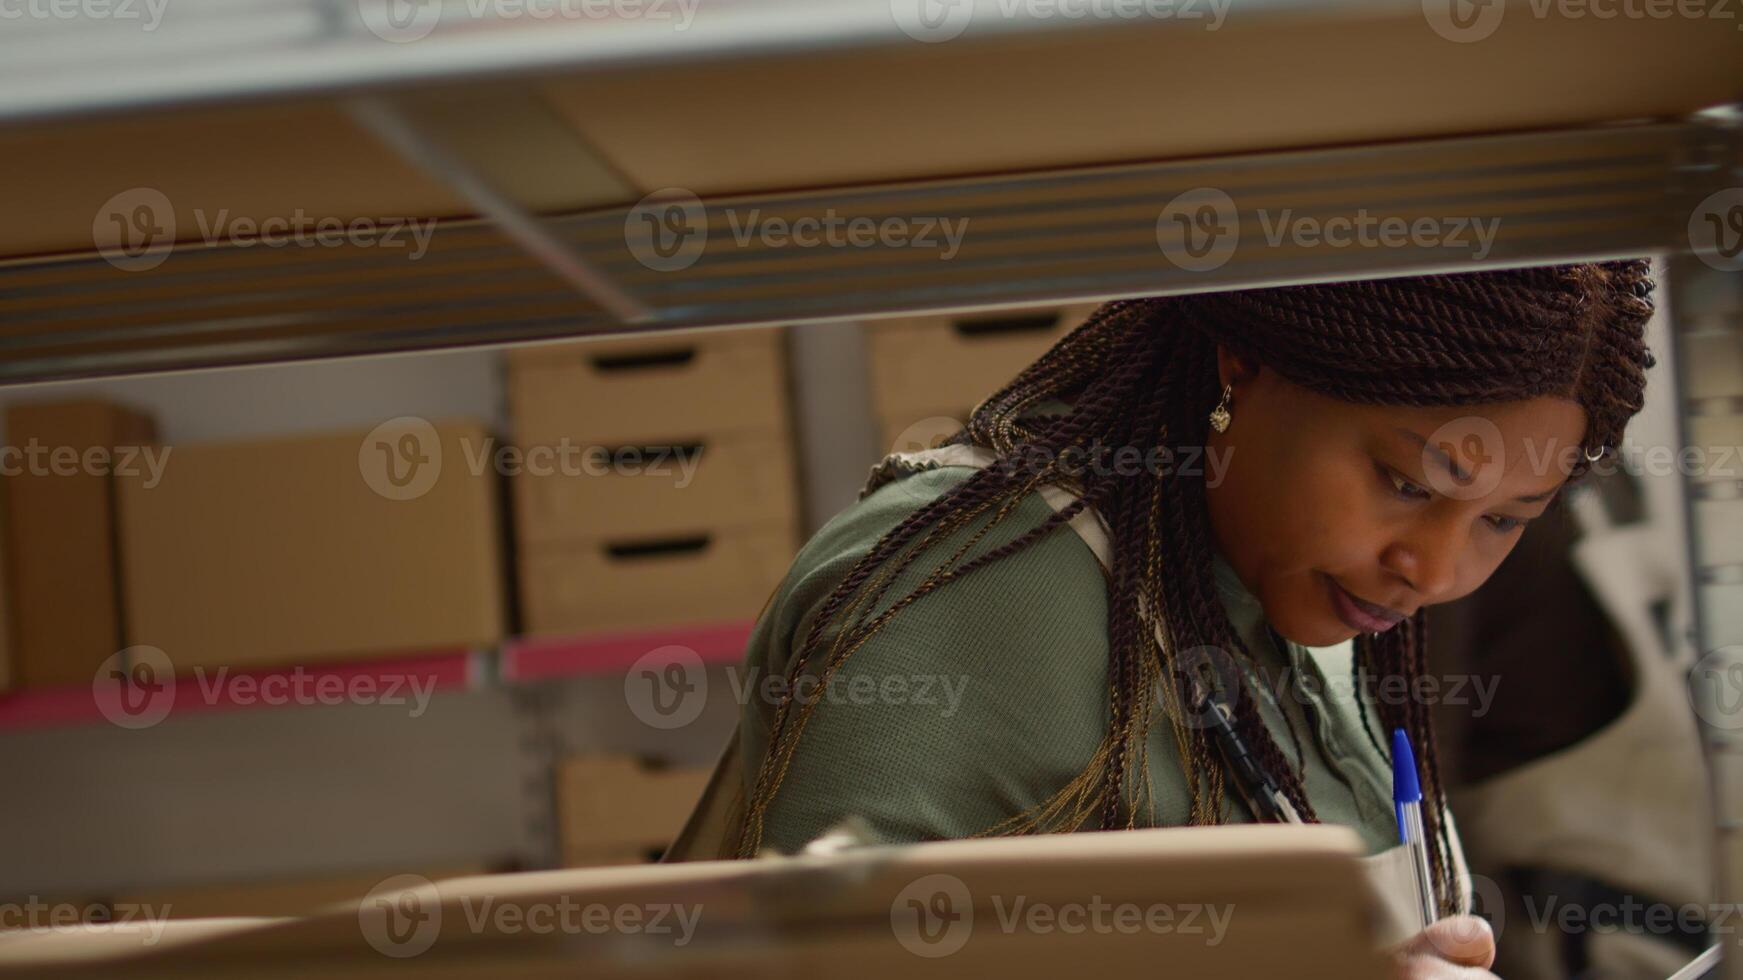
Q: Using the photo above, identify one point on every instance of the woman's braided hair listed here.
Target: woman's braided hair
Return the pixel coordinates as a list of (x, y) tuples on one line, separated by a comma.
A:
[(1142, 373)]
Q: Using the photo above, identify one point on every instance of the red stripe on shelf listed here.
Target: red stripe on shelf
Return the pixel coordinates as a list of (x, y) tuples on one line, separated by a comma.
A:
[(46, 707), (216, 689), (532, 658)]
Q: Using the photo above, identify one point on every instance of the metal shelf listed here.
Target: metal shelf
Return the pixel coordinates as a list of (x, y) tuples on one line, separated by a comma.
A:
[(536, 143), (1583, 194)]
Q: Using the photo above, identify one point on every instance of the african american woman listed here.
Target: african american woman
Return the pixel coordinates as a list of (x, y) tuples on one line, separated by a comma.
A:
[(1185, 510)]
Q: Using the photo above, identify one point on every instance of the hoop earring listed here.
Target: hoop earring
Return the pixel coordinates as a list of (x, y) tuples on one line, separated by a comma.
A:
[(1219, 416)]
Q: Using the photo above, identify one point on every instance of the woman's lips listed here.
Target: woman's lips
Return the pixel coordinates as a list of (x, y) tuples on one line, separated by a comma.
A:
[(1358, 614)]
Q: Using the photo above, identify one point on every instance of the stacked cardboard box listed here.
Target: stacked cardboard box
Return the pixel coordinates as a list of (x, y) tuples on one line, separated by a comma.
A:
[(62, 465), (298, 549), (616, 809), (657, 486), (929, 373)]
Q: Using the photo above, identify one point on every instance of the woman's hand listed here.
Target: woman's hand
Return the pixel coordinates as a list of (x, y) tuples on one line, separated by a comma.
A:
[(1461, 947)]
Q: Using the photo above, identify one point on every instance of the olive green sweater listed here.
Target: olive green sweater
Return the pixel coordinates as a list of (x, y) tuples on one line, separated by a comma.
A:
[(986, 696)]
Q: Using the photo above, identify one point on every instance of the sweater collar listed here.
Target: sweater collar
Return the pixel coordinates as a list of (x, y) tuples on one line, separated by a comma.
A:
[(1246, 614), (1243, 606)]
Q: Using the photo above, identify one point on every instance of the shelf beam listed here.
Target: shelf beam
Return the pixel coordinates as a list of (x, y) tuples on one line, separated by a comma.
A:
[(897, 249)]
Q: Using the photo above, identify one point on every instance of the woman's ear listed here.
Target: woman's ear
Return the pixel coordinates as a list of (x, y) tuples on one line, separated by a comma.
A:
[(1234, 369)]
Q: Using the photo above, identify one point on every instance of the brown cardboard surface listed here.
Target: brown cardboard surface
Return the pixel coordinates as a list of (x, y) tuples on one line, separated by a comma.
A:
[(918, 363), (61, 538), (616, 809), (1137, 89), (215, 166), (274, 898), (281, 551), (582, 587), (675, 387), (743, 479), (1297, 902), (228, 165), (1262, 80)]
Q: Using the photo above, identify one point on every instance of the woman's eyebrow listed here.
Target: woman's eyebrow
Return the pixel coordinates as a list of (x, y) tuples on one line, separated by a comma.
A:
[(1447, 461), (1458, 473)]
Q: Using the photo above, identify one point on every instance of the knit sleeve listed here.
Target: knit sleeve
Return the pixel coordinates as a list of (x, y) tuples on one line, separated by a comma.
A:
[(975, 703)]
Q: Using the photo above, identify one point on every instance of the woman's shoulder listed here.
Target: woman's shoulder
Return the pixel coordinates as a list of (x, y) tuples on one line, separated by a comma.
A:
[(854, 531), (975, 702), (1051, 587)]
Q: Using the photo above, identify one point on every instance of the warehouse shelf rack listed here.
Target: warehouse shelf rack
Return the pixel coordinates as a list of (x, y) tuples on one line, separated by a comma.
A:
[(1565, 195), (518, 661), (625, 116)]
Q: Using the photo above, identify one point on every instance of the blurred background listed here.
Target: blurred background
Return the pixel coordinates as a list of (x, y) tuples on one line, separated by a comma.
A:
[(504, 599)]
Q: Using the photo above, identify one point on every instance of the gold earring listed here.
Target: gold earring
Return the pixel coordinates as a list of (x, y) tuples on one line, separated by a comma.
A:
[(1219, 416)]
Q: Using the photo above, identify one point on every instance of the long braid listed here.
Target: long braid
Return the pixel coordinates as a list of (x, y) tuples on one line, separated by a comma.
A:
[(1139, 374)]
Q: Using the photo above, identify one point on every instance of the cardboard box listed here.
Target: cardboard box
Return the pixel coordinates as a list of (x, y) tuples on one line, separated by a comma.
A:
[(830, 114), (726, 481), (280, 897), (302, 549), (616, 809), (1375, 74), (1236, 901), (668, 388), (636, 583), (918, 363), (61, 547)]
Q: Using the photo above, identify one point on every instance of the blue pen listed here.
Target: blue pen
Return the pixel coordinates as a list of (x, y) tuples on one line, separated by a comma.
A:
[(1407, 800)]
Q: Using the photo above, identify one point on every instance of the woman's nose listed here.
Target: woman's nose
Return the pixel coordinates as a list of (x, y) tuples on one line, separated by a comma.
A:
[(1427, 559)]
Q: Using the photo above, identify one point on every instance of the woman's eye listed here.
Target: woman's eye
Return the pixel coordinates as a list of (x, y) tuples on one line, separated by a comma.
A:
[(1505, 524), (1402, 487)]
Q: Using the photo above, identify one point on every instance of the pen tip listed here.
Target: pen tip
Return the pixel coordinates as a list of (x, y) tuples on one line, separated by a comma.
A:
[(1405, 785)]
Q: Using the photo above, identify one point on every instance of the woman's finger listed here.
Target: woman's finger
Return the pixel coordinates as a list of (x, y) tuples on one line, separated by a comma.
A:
[(1463, 939)]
